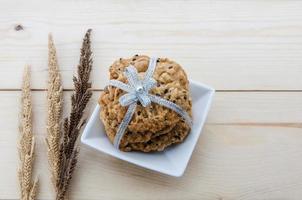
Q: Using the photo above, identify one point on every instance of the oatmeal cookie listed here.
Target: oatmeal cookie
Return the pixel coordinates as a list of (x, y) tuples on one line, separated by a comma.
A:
[(152, 128)]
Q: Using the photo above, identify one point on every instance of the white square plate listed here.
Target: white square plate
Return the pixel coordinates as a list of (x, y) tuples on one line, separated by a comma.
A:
[(172, 161)]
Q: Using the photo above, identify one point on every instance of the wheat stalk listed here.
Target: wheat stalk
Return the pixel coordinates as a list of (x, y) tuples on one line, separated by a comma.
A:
[(27, 143), (54, 112), (69, 149)]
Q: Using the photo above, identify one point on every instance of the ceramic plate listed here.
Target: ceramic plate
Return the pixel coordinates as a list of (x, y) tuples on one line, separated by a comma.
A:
[(172, 161)]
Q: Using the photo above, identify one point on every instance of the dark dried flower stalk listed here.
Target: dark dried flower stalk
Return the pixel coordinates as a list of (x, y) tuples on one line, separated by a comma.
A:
[(72, 125)]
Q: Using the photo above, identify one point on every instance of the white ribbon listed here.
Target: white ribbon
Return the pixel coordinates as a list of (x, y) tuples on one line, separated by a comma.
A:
[(138, 90)]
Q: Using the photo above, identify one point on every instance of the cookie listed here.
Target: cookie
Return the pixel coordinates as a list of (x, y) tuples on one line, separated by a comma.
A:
[(152, 128)]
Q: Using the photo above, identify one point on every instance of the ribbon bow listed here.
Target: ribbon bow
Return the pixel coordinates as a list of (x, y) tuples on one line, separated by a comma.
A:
[(138, 90)]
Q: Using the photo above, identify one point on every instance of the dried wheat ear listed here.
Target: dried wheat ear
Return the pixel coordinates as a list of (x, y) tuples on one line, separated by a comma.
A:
[(54, 113), (28, 186)]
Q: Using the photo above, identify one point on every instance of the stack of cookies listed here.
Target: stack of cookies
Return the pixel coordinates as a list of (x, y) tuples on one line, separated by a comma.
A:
[(152, 128)]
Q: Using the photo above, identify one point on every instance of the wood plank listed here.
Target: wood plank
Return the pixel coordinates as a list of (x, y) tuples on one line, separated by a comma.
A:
[(255, 45), (252, 108), (232, 160)]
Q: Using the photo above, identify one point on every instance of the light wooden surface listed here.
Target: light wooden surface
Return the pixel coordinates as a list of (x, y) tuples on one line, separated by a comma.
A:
[(250, 51)]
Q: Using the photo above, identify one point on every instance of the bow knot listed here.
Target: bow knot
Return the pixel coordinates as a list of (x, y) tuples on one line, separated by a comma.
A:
[(138, 89)]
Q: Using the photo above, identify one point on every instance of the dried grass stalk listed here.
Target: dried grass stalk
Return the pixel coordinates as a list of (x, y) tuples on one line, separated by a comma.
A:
[(54, 112), (69, 149), (27, 143)]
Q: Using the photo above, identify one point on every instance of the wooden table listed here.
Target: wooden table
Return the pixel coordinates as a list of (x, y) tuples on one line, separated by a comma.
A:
[(249, 51)]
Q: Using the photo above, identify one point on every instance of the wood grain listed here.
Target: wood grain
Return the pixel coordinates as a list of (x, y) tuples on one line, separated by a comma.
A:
[(255, 45), (232, 160), (249, 51)]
